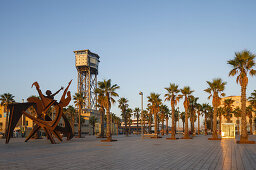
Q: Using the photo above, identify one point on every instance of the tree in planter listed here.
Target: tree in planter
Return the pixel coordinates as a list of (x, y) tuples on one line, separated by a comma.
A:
[(154, 105), (93, 120), (6, 99), (176, 118), (215, 89), (182, 117), (137, 116), (220, 112), (199, 110), (172, 95), (79, 101), (228, 109), (123, 105), (192, 109), (109, 92), (237, 113), (186, 93), (164, 114), (249, 111), (242, 65), (70, 111), (129, 115), (100, 105)]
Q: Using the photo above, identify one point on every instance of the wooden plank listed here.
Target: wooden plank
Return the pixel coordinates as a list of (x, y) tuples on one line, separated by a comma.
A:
[(244, 159)]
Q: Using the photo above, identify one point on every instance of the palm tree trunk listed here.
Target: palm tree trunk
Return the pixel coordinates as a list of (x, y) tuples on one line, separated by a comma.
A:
[(166, 123), (244, 135), (149, 124), (214, 133), (129, 125), (173, 120), (125, 123), (238, 127), (193, 123), (117, 128), (220, 125), (205, 124), (108, 134), (7, 118), (250, 121), (186, 135), (137, 124), (162, 129), (102, 123), (198, 121), (155, 117), (79, 121), (183, 126)]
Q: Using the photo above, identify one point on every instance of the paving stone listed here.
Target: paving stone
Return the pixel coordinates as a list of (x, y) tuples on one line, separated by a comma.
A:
[(128, 153)]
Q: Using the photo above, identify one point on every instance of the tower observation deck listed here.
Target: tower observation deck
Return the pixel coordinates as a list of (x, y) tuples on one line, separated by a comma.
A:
[(87, 70)]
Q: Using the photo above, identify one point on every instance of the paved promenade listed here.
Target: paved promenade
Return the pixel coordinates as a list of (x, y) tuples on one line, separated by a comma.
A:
[(128, 153)]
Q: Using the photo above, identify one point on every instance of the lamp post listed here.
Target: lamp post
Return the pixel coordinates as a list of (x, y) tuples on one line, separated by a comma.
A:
[(141, 116), (22, 123)]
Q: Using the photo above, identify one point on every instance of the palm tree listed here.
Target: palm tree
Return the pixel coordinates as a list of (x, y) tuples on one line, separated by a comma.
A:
[(79, 101), (165, 112), (242, 65), (182, 117), (116, 120), (220, 112), (249, 111), (172, 95), (237, 113), (228, 108), (192, 109), (167, 115), (205, 107), (6, 98), (162, 117), (145, 117), (123, 106), (199, 109), (210, 116), (137, 116), (216, 88), (155, 103), (109, 92), (176, 118), (71, 111), (129, 115), (252, 99), (100, 105), (93, 120), (186, 93), (149, 117)]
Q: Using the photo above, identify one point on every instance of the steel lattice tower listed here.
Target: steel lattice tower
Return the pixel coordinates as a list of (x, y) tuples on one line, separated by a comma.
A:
[(87, 71)]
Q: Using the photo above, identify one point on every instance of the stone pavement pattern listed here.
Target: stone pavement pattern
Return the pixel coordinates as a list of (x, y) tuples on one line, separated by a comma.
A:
[(128, 153)]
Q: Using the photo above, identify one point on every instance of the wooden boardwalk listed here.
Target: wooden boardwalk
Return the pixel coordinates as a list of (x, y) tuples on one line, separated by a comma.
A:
[(129, 153)]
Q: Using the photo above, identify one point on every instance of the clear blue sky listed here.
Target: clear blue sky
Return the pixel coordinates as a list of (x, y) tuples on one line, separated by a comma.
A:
[(143, 45)]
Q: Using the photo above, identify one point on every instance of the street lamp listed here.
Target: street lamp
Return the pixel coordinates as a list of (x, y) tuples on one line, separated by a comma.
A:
[(22, 123), (142, 117)]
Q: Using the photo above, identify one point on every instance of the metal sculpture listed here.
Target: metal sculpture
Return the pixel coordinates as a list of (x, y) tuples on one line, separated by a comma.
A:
[(41, 119)]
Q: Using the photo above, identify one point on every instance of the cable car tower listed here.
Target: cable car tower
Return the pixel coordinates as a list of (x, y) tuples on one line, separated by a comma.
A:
[(87, 71)]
